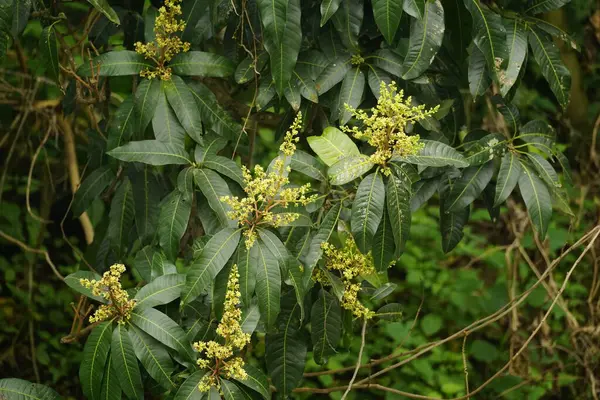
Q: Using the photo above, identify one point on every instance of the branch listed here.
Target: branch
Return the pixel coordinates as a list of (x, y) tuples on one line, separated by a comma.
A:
[(32, 250)]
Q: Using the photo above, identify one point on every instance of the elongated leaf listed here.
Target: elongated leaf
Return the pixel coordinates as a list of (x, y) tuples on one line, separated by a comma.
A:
[(328, 226), (387, 17), (150, 152), (121, 216), (489, 35), (266, 92), (230, 390), (333, 74), (295, 273), (554, 31), (95, 354), (308, 165), (414, 8), (18, 389), (508, 176), (291, 92), (539, 134), (21, 9), (375, 77), (163, 329), (250, 318), (115, 63), (347, 21), (466, 189), (398, 194), (537, 199), (276, 247), (111, 388), (388, 61), (390, 312), (547, 55), (283, 37), (384, 245), (154, 357), (166, 126), (162, 290), (332, 145), (146, 196), (122, 125), (124, 361), (451, 227), (224, 166), (328, 8), (348, 169), (307, 87), (106, 9), (479, 80), (49, 51), (72, 280), (268, 284), (516, 38), (213, 258), (247, 262), (351, 94), (189, 388), (540, 6), (367, 210), (91, 188), (173, 221), (426, 36), (435, 154), (183, 102), (257, 381), (213, 115), (485, 149), (200, 63), (143, 262), (214, 188), (147, 97), (326, 322)]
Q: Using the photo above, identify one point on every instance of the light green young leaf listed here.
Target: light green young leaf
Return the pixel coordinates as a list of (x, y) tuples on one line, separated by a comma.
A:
[(332, 146)]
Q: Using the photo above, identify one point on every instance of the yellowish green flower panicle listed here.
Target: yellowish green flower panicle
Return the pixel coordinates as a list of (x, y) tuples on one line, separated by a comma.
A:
[(384, 126), (119, 305), (267, 190), (167, 44), (351, 264), (218, 357)]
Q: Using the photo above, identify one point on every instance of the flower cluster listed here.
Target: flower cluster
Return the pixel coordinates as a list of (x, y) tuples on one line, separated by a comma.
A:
[(351, 263), (384, 127), (267, 190), (167, 44), (219, 357), (109, 287)]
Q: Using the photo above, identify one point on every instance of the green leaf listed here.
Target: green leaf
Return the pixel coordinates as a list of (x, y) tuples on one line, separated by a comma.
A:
[(256, 381), (106, 9), (547, 55), (111, 389), (20, 10), (451, 226), (347, 21), (308, 88), (489, 35), (388, 61), (291, 92), (143, 262), (121, 216), (367, 210), (189, 388), (162, 290), (183, 102), (200, 63), (414, 8), (124, 361), (174, 216), (332, 146), (326, 323), (146, 98), (348, 169), (150, 152), (398, 194), (328, 226), (508, 176), (72, 280), (375, 77), (213, 258), (94, 358), (49, 51), (282, 37), (333, 74), (163, 329), (426, 36), (544, 170), (247, 262), (115, 63), (351, 93), (384, 245), (537, 199), (224, 166), (540, 6), (328, 8), (516, 38), (468, 187), (213, 115), (390, 312), (295, 274), (268, 284), (266, 92), (154, 357), (250, 318), (308, 165), (91, 188), (510, 113), (554, 31), (485, 149), (214, 188), (435, 154), (387, 17), (18, 389), (122, 124), (166, 126), (230, 390), (538, 134), (276, 247), (146, 196), (479, 81)]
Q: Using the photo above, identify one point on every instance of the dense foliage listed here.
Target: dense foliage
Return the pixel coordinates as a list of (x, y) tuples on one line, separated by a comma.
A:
[(252, 173)]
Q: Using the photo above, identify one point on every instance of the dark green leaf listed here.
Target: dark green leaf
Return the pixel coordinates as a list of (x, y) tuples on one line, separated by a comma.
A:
[(328, 8), (308, 165), (224, 166), (247, 262), (538, 134), (173, 221), (384, 244), (18, 389), (214, 188), (146, 98), (49, 51), (540, 6), (544, 170), (115, 63), (256, 381), (124, 361), (479, 80), (367, 210), (516, 38), (291, 92), (398, 194), (347, 21), (414, 8), (162, 290), (189, 389), (268, 284), (154, 357), (435, 154), (213, 115), (388, 61), (451, 227), (295, 274), (466, 189), (146, 196), (390, 312), (106, 9), (230, 390), (333, 74), (182, 100), (375, 77), (166, 126), (121, 216), (200, 63), (91, 188), (122, 125), (328, 226), (485, 149), (150, 152), (351, 93), (508, 176), (537, 199), (387, 17), (326, 323), (111, 389), (143, 262), (94, 358), (21, 10)]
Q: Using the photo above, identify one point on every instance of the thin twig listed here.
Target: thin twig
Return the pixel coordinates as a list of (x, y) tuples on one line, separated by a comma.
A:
[(360, 352), (32, 250)]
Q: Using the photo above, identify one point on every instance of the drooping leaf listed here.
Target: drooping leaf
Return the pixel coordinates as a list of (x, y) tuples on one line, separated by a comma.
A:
[(291, 92), (213, 115), (230, 390), (21, 10), (537, 199), (214, 188), (92, 187), (162, 290), (387, 60), (468, 187), (308, 165), (247, 262), (95, 354), (146, 196), (121, 216), (115, 63), (154, 357), (276, 247), (508, 176), (485, 149), (398, 195), (122, 125), (367, 210), (333, 74), (348, 169), (166, 126), (200, 63), (540, 6), (106, 9), (387, 17), (426, 36), (351, 93), (295, 274), (256, 381), (544, 170), (328, 8), (224, 166), (347, 20), (213, 258), (250, 318), (72, 280), (173, 221), (332, 145), (375, 77), (328, 226), (538, 134), (147, 97), (516, 38), (268, 284), (390, 312), (123, 359), (150, 152), (49, 51), (19, 389), (111, 388), (451, 226), (182, 100), (189, 388), (479, 80), (435, 154), (143, 262), (383, 245), (326, 323)]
